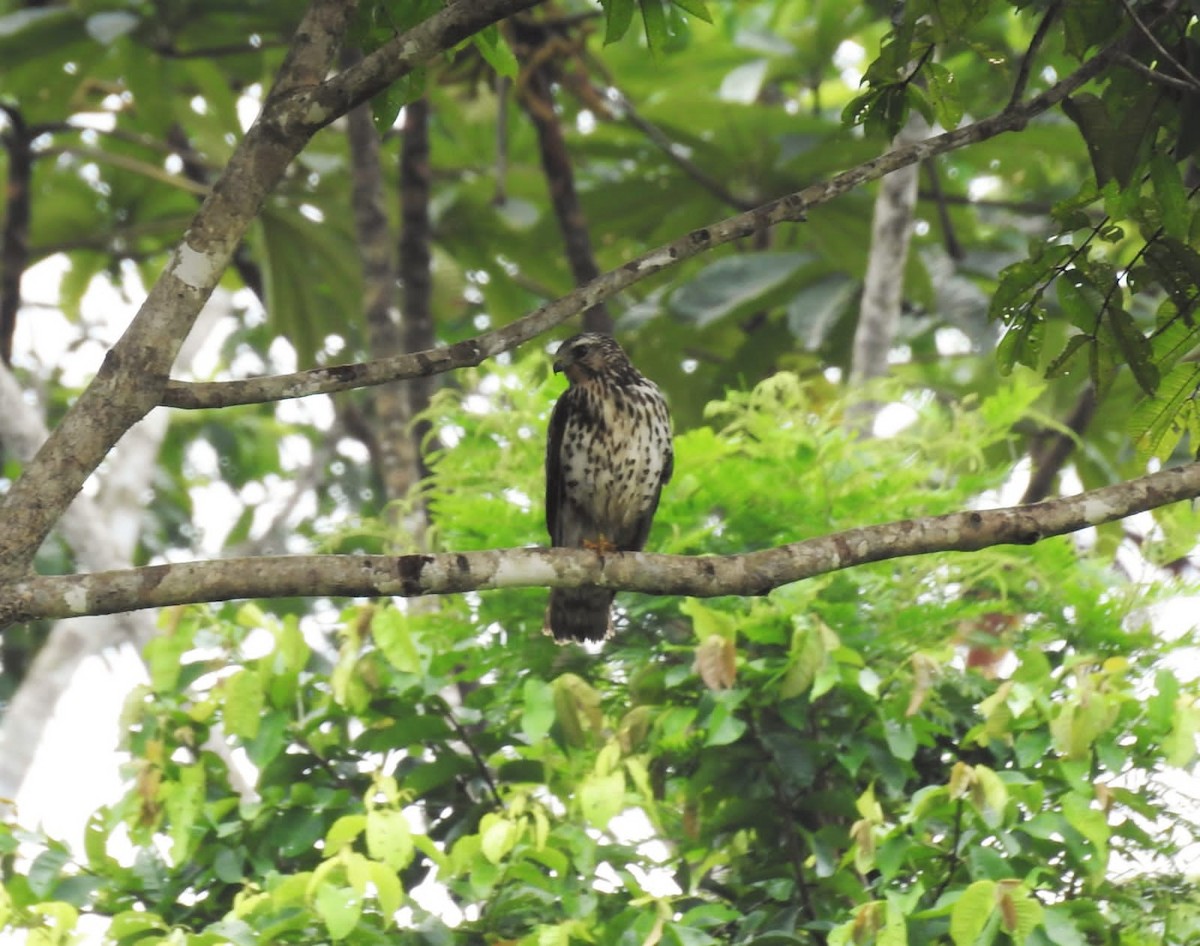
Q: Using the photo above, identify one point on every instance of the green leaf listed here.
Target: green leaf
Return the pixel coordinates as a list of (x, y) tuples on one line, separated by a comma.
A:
[(1170, 196), (734, 286), (971, 912), (1061, 363), (942, 90), (243, 703), (45, 871), (388, 891), (618, 14), (389, 838), (184, 804), (340, 909), (390, 629), (697, 8), (654, 21), (1134, 346), (602, 797), (1092, 823), (538, 712), (1154, 425), (498, 836), (344, 831), (495, 49)]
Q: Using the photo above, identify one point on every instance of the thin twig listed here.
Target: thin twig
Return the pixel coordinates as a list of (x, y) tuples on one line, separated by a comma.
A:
[(1026, 68), (1158, 46), (1184, 85)]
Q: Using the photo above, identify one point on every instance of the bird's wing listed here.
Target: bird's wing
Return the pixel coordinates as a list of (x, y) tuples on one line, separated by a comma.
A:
[(554, 475)]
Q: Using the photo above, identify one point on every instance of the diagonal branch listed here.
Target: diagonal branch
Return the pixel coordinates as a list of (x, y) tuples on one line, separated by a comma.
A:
[(131, 380), (789, 208), (751, 573)]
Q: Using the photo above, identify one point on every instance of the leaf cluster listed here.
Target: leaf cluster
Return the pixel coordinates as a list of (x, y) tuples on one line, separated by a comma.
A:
[(932, 750)]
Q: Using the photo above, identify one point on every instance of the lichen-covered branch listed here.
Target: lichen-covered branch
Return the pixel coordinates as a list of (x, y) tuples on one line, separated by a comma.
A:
[(131, 380), (752, 573)]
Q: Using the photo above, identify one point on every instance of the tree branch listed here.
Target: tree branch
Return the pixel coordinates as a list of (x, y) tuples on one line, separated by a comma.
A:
[(14, 235), (751, 573), (789, 208), (131, 380), (536, 95)]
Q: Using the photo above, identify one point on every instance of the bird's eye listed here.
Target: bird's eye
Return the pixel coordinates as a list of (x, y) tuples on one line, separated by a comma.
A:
[(579, 351)]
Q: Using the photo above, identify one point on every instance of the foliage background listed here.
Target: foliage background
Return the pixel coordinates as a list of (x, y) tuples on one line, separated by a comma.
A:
[(965, 749)]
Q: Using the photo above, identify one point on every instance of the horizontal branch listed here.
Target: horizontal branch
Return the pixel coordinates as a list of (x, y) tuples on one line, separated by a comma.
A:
[(789, 208), (752, 573)]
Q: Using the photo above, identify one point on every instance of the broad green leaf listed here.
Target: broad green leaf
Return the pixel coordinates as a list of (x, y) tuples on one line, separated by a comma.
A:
[(1154, 424), (495, 49), (971, 912), (1180, 742), (1093, 825), (184, 804), (805, 657), (734, 285), (45, 871), (618, 14), (243, 703), (388, 891), (538, 712), (340, 909), (389, 838), (1170, 196), (1134, 346), (697, 8), (654, 22), (602, 797), (390, 629), (498, 835), (344, 831), (942, 90)]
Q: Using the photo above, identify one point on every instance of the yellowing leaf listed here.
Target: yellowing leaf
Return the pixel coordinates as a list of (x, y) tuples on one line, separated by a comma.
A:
[(989, 795), (716, 662), (577, 707)]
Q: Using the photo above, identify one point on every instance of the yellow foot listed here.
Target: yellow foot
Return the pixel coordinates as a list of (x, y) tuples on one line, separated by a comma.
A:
[(601, 545)]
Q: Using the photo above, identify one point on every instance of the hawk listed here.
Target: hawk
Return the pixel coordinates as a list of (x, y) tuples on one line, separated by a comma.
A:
[(608, 454)]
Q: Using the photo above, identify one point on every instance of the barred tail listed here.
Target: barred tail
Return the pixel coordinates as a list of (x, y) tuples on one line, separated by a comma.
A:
[(579, 614)]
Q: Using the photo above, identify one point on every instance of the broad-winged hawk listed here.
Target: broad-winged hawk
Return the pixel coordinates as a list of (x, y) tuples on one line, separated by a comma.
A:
[(608, 455)]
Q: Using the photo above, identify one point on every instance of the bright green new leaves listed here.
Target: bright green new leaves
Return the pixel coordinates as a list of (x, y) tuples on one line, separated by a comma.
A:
[(847, 732), (992, 906)]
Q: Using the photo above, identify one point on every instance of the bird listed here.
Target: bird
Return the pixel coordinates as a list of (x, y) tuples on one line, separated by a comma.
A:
[(609, 452)]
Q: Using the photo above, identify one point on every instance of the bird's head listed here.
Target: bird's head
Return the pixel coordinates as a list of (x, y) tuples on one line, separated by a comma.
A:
[(585, 356)]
